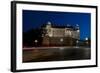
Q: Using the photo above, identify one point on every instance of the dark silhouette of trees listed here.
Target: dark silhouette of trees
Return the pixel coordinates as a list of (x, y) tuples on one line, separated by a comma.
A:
[(30, 36)]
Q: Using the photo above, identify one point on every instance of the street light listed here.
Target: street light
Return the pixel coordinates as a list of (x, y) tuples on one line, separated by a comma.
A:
[(36, 42), (86, 39), (77, 42), (61, 40), (61, 49)]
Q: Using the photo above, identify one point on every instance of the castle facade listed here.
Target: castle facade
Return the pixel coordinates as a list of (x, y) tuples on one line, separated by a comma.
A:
[(60, 35)]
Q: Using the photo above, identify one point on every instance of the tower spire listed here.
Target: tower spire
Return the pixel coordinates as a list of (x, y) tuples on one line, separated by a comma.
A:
[(49, 23), (77, 26)]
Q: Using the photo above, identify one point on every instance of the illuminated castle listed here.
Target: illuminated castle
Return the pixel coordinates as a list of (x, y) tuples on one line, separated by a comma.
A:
[(60, 35)]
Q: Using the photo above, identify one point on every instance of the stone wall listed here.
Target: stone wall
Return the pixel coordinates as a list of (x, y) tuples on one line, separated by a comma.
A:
[(59, 41)]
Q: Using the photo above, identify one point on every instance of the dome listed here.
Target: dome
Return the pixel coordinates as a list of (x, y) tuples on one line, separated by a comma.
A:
[(49, 23)]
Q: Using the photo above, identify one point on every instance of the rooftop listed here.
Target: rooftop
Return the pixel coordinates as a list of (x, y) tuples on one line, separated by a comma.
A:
[(59, 26)]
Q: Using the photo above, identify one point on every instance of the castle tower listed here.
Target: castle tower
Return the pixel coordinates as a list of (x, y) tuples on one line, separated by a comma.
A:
[(46, 41), (78, 31), (48, 29)]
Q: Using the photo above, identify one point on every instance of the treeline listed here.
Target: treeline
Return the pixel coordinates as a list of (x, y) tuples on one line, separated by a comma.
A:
[(30, 36)]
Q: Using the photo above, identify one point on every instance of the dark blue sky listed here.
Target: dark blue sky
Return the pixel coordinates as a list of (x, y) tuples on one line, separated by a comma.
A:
[(35, 19)]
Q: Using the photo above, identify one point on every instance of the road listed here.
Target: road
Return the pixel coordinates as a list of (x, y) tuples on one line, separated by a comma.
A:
[(40, 54)]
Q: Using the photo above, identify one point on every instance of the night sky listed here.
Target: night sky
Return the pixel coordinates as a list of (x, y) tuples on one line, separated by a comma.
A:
[(35, 19)]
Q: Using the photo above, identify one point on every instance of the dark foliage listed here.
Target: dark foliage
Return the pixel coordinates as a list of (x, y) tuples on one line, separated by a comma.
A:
[(30, 36)]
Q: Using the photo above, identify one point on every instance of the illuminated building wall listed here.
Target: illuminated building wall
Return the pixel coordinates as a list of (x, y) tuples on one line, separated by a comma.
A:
[(60, 35)]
